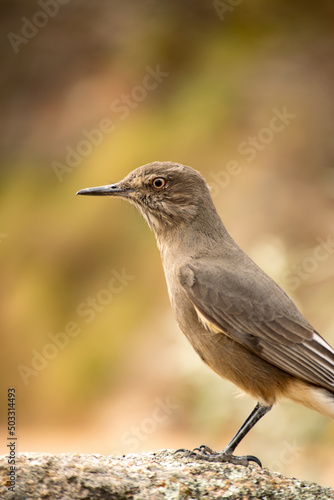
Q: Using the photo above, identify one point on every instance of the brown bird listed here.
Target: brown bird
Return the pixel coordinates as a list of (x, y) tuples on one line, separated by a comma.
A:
[(239, 321)]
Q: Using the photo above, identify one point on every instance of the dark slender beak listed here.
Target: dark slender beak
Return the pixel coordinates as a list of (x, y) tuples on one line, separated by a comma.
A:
[(109, 190)]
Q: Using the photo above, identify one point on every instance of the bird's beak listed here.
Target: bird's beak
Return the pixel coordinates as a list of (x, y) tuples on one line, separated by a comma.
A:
[(108, 190)]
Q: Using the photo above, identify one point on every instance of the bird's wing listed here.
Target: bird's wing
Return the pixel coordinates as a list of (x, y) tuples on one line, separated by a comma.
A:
[(253, 310)]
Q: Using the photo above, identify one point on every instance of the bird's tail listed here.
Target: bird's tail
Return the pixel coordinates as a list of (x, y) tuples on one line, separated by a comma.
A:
[(314, 397)]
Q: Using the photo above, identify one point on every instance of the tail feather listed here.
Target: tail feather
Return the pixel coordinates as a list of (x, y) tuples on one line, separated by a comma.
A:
[(312, 396)]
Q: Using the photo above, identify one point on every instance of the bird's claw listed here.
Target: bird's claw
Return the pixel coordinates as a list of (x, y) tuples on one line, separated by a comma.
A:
[(204, 449), (203, 452)]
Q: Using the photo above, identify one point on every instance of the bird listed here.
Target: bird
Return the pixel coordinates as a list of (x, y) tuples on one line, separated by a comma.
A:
[(238, 319)]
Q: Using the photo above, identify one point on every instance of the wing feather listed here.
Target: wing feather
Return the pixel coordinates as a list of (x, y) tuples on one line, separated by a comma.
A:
[(253, 310)]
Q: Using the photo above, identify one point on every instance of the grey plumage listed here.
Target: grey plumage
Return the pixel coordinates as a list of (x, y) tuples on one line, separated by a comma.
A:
[(252, 309), (236, 317)]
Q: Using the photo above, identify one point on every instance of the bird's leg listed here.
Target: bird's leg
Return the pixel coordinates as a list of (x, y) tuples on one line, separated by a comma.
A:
[(226, 455), (259, 411)]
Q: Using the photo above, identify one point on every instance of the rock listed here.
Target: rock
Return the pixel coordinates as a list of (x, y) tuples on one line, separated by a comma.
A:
[(143, 476)]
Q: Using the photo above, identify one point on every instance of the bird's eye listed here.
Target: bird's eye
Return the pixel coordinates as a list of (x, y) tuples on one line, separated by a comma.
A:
[(158, 182)]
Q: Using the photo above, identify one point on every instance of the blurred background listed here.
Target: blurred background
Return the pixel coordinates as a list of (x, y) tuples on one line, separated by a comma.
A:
[(243, 92)]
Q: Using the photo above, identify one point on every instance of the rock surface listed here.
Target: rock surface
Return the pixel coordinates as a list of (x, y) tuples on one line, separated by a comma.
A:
[(146, 476)]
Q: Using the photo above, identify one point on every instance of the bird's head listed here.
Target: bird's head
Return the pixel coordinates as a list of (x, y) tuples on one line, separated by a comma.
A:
[(167, 194)]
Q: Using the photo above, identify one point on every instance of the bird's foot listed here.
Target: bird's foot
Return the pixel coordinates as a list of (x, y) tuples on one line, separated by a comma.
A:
[(203, 452)]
